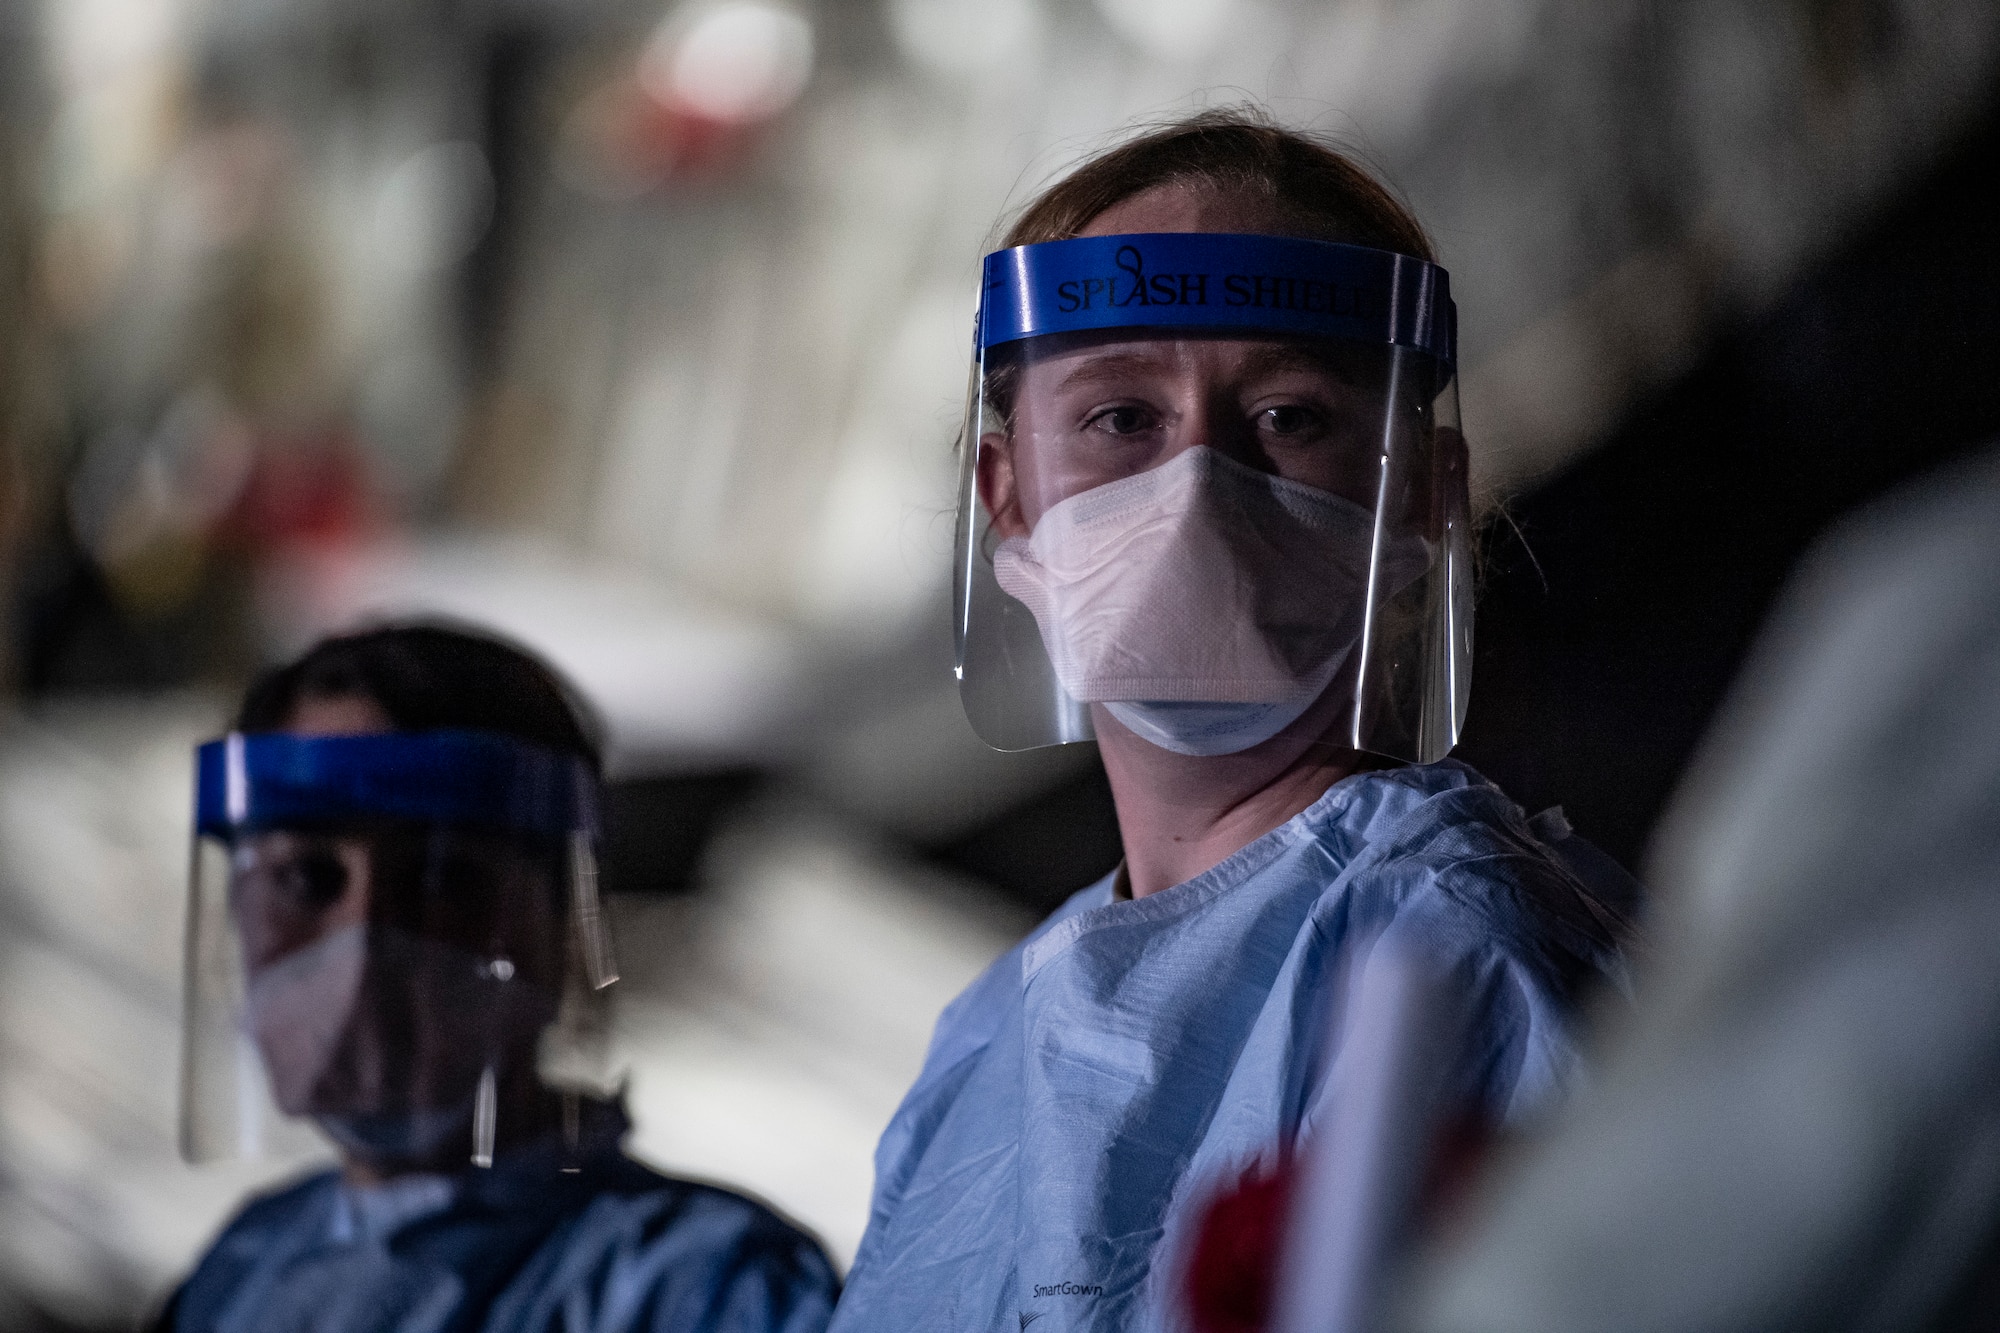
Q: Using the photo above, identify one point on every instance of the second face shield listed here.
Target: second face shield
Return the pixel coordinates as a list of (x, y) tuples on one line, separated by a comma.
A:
[(1213, 486), (393, 937)]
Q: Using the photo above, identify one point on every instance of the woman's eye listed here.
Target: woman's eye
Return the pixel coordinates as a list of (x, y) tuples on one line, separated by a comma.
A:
[(315, 880), (1289, 419), (461, 877), (1122, 420)]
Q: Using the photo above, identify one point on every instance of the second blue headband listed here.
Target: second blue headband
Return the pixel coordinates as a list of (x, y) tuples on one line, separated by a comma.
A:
[(473, 778), (1218, 280)]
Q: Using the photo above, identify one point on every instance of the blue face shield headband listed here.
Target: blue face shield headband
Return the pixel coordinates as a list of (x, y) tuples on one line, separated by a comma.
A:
[(1276, 285), (469, 779)]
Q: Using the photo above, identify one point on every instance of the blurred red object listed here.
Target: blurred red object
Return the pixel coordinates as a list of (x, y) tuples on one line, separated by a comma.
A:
[(621, 142), (1233, 1275), (1232, 1279), (304, 491), (695, 102), (655, 139)]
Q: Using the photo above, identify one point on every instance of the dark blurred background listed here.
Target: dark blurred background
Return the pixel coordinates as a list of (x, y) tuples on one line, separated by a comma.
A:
[(1623, 592), (637, 331)]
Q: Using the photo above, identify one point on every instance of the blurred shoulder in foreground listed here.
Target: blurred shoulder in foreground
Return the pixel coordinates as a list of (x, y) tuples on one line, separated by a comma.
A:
[(1798, 1128)]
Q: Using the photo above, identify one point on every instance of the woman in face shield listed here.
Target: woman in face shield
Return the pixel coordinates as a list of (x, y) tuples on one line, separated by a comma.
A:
[(394, 935), (1214, 515)]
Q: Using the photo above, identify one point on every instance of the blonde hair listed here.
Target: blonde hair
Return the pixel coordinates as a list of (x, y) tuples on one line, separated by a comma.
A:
[(1321, 190)]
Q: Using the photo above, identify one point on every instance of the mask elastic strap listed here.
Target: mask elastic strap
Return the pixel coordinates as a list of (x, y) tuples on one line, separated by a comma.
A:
[(485, 1114), (600, 968)]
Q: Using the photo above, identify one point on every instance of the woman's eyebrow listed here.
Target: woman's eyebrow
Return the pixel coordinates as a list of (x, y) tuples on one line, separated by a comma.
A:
[(1109, 368), (1276, 357)]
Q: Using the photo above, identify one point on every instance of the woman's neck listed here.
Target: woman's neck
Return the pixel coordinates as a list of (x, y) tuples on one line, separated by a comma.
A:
[(1182, 814), (528, 1110)]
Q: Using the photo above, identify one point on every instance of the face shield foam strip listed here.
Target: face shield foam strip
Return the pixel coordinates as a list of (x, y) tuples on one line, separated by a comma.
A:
[(467, 778), (1216, 281)]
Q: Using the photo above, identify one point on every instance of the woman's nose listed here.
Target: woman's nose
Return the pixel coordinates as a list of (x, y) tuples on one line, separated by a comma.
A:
[(1220, 426)]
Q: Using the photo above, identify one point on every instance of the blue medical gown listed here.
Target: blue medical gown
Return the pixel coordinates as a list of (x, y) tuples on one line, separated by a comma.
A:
[(1085, 1097), (523, 1248)]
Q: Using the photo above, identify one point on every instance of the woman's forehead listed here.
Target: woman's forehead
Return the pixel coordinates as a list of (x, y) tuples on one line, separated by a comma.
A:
[(338, 715), (1199, 206), (1057, 367)]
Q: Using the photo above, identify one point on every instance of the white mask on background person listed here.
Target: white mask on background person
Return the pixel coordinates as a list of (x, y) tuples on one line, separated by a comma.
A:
[(1205, 603), (299, 1009), (312, 1015)]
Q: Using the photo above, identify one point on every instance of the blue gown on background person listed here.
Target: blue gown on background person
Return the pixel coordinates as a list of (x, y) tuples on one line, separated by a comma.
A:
[(1083, 1099), (525, 1247)]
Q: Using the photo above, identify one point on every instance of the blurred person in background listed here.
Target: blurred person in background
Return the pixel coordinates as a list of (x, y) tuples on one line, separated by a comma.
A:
[(1214, 513), (395, 915), (1798, 1127)]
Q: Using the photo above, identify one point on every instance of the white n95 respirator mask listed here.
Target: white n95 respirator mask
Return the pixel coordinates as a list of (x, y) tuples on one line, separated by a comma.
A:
[(1193, 600)]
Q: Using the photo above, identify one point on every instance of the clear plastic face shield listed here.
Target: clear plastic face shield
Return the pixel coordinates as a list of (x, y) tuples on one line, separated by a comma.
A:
[(396, 937), (1213, 491)]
